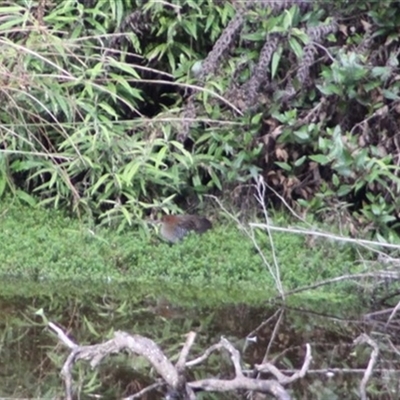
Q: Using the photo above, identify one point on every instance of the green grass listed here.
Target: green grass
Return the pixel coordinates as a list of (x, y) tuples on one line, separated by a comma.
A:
[(45, 246)]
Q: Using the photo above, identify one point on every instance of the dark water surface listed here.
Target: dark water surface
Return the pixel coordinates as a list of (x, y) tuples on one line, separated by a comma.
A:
[(31, 356)]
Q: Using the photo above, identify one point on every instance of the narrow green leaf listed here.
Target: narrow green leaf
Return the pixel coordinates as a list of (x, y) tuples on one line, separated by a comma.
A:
[(108, 109), (31, 201), (123, 67), (99, 183), (296, 47), (275, 61), (300, 161), (301, 135), (283, 165), (215, 179), (130, 171), (127, 215), (344, 190), (287, 20), (3, 184), (90, 326), (320, 159)]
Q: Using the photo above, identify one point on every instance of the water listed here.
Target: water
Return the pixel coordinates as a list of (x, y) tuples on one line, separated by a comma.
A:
[(32, 355)]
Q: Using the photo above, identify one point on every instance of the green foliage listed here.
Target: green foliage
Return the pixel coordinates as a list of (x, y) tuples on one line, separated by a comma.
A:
[(61, 128), (67, 139), (94, 105), (355, 161), (45, 246)]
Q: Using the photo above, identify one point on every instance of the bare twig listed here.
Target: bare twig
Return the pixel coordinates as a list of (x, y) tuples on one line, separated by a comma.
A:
[(273, 270), (264, 323), (394, 348), (324, 234), (240, 382), (206, 354), (122, 341), (392, 314), (260, 197), (62, 336), (147, 389), (378, 313), (369, 245), (264, 386), (235, 356), (363, 338), (378, 274), (283, 379), (180, 365), (333, 371), (274, 334)]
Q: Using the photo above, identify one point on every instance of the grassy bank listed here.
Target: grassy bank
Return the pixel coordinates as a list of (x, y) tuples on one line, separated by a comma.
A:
[(51, 249)]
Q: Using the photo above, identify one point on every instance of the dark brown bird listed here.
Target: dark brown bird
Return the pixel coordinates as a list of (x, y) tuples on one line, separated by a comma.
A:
[(175, 227)]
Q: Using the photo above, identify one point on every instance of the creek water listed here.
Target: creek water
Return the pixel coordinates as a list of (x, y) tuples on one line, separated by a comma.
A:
[(32, 356)]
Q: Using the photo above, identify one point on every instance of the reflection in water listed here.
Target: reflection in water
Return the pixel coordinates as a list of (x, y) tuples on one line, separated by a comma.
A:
[(32, 356)]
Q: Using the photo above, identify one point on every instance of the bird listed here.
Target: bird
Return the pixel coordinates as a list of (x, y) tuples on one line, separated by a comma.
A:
[(176, 227)]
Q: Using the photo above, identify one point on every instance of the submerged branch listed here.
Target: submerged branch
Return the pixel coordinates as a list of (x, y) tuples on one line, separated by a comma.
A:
[(173, 377)]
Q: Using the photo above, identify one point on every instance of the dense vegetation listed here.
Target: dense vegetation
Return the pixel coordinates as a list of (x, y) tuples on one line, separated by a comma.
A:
[(114, 109), (46, 247)]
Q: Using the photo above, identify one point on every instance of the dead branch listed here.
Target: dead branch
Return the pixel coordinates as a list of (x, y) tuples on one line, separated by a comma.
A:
[(332, 371), (393, 313), (121, 342), (206, 354), (138, 395), (377, 274), (62, 336), (339, 238), (283, 379), (173, 377), (180, 365), (363, 338), (265, 323), (242, 383)]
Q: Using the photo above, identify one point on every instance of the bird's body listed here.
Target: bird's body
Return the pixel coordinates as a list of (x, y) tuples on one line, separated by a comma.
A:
[(175, 227)]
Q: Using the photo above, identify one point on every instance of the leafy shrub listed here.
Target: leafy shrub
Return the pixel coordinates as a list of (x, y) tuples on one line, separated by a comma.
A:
[(117, 109)]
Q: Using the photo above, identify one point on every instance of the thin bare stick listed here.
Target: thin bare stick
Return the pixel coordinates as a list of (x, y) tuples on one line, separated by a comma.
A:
[(293, 212), (283, 379), (264, 323), (250, 233), (180, 365), (333, 371), (260, 197), (62, 336), (381, 274), (393, 313), (147, 389), (394, 348), (363, 338), (324, 234), (286, 204), (274, 333), (206, 354)]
